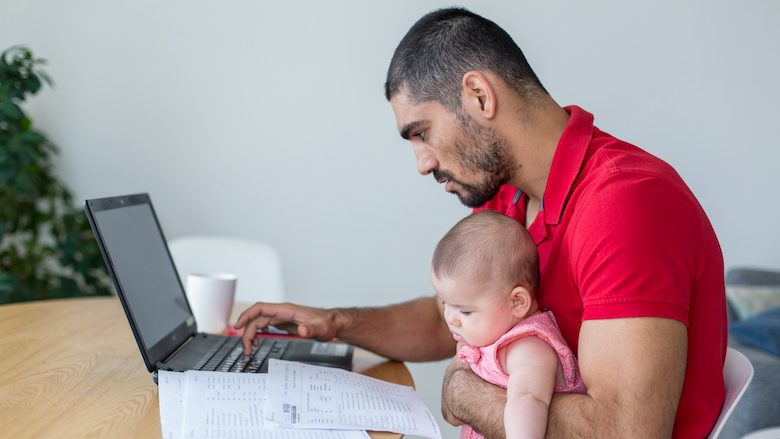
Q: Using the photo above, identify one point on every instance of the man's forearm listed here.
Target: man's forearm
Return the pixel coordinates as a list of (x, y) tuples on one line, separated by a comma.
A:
[(476, 402), (409, 331), (633, 368), (473, 401), (574, 415)]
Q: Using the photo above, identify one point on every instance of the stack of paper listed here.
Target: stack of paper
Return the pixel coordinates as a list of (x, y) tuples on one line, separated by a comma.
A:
[(292, 401)]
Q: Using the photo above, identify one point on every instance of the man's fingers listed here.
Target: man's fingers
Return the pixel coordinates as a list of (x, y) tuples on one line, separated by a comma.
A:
[(317, 329), (292, 328), (302, 321), (249, 338), (445, 409), (446, 398), (266, 311), (249, 314), (452, 420)]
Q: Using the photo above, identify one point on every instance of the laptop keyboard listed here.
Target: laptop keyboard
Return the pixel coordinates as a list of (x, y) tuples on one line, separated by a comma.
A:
[(228, 356)]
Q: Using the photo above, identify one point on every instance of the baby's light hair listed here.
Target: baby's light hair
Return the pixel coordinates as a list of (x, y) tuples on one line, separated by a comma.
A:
[(488, 247)]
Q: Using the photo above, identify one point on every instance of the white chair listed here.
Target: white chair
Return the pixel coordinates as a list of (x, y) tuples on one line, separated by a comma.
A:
[(737, 373), (256, 265)]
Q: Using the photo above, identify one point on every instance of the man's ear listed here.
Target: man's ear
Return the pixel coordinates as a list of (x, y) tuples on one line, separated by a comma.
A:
[(521, 301), (478, 95)]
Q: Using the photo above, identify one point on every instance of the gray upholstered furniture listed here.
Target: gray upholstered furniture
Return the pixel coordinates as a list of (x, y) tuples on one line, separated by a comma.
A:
[(760, 405)]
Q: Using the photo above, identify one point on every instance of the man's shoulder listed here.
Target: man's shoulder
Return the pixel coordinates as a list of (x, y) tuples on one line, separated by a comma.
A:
[(608, 155), (624, 196), (620, 172)]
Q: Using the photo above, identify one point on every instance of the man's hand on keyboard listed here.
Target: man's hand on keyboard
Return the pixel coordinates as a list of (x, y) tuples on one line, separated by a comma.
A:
[(316, 323)]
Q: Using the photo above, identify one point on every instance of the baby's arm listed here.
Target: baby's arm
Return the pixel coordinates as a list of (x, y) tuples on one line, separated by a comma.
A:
[(532, 366)]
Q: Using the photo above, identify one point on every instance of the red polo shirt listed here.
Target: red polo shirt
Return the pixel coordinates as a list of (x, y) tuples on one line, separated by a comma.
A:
[(620, 235)]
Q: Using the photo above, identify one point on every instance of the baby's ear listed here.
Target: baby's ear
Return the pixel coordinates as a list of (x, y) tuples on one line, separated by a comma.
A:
[(521, 301)]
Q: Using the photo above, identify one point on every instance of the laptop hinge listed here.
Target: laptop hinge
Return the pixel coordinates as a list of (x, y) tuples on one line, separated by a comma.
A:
[(173, 354), (163, 366), (158, 367)]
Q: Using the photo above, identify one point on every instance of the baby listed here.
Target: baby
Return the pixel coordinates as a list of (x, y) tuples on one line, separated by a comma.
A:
[(486, 271)]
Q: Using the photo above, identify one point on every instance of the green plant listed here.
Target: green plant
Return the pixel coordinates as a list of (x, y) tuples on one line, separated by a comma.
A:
[(47, 249)]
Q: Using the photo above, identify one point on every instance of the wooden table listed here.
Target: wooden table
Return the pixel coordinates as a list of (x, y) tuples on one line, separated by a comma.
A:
[(71, 368)]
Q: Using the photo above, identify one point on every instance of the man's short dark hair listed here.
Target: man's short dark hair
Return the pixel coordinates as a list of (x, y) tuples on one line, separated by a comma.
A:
[(429, 63)]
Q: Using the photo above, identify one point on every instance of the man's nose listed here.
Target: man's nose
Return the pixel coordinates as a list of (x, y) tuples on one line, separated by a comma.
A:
[(426, 161)]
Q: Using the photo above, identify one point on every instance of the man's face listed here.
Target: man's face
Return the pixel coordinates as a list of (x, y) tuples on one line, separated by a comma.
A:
[(471, 160)]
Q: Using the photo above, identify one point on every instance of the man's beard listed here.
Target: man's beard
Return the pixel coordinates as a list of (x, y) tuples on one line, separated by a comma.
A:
[(479, 151)]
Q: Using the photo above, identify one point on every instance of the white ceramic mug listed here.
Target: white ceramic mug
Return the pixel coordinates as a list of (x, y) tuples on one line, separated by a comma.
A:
[(211, 299)]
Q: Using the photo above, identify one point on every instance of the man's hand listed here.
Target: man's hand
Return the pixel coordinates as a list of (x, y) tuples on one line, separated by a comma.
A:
[(305, 322), (409, 331), (468, 399), (456, 367)]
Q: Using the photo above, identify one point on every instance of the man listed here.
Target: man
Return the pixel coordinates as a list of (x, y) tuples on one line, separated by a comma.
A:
[(630, 264)]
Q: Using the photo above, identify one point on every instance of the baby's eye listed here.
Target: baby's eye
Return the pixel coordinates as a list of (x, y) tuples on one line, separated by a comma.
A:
[(466, 313)]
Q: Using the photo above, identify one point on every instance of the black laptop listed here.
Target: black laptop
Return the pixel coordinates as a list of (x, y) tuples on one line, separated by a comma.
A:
[(137, 257)]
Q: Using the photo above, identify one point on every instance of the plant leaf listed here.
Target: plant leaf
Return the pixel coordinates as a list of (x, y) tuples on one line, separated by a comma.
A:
[(47, 248), (32, 137), (31, 83), (11, 110)]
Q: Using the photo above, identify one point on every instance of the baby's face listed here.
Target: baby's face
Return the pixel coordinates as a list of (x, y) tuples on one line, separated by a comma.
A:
[(475, 313)]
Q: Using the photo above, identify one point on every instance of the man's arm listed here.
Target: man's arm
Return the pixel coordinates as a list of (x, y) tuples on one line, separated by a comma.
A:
[(633, 368), (409, 331)]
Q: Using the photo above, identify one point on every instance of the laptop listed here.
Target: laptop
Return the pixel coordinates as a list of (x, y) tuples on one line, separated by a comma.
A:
[(148, 285)]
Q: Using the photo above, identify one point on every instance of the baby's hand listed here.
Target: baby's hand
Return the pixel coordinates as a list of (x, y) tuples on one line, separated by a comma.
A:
[(457, 350)]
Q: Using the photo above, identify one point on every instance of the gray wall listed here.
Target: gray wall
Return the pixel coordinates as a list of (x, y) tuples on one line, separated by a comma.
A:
[(267, 120)]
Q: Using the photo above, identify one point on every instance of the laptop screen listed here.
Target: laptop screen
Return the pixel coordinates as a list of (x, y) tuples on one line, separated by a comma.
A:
[(138, 260), (144, 269)]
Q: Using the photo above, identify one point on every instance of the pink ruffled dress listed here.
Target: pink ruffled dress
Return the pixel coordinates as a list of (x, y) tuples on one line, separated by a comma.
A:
[(485, 363)]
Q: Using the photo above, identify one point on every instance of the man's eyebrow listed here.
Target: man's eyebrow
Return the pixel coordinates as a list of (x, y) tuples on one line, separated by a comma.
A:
[(411, 126)]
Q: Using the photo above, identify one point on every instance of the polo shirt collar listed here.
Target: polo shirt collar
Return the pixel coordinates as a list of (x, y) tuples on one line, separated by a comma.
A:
[(567, 162)]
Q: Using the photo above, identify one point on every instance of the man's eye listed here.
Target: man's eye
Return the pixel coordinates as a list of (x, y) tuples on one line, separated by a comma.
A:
[(421, 135)]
